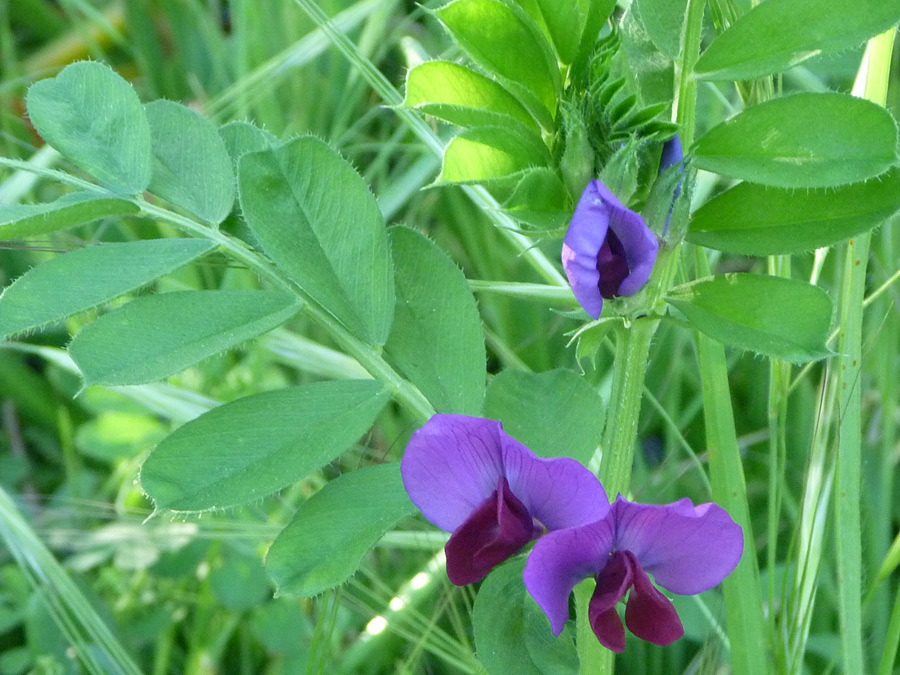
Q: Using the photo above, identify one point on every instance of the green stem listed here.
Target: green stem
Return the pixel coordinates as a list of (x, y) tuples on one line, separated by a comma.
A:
[(623, 413), (848, 475), (543, 293), (743, 597)]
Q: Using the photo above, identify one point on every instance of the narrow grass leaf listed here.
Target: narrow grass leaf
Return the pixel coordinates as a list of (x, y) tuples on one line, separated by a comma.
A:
[(325, 542), (779, 34), (461, 96), (505, 42), (777, 317), (437, 340), (249, 448), (752, 219), (191, 166), (95, 119), (512, 634), (18, 221), (489, 154), (317, 220), (88, 277), (802, 141), (535, 407), (159, 335)]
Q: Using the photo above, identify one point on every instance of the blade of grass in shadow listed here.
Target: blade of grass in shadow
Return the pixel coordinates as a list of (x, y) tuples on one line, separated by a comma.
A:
[(74, 614), (523, 245)]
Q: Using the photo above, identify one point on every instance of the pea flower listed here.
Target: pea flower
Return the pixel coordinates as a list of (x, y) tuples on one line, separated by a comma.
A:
[(688, 549), (608, 250), (468, 477)]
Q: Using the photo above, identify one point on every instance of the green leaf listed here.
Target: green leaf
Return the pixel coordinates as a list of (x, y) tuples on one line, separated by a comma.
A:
[(664, 23), (454, 93), (565, 20), (654, 73), (46, 293), (95, 119), (805, 141), (556, 413), (155, 336), (508, 44), (243, 137), (76, 208), (436, 341), (249, 448), (540, 201), (331, 532), (489, 154), (778, 34), (751, 219), (512, 634), (777, 317), (316, 219), (113, 436), (191, 166)]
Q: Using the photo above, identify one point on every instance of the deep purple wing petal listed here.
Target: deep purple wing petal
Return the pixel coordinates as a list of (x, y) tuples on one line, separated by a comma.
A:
[(559, 492), (687, 549), (638, 242), (451, 465), (560, 560)]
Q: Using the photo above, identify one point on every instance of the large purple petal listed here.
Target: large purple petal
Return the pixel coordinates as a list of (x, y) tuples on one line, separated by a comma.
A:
[(559, 492), (583, 242), (649, 614), (496, 531), (640, 247), (687, 549), (451, 466), (562, 559)]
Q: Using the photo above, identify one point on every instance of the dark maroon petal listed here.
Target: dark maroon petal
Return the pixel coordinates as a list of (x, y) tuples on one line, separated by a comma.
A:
[(586, 263), (562, 559), (649, 614), (451, 466), (611, 265), (687, 549), (612, 584), (496, 531)]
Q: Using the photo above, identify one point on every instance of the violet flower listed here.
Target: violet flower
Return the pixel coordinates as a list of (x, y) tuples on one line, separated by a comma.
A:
[(608, 250), (470, 478), (672, 155), (688, 549)]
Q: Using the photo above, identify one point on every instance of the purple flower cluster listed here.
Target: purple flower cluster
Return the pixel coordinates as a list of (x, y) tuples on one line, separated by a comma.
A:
[(468, 477)]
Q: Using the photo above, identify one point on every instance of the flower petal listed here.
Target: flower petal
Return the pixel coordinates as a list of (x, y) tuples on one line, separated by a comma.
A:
[(687, 549), (612, 584), (560, 560), (451, 465), (496, 531), (649, 614), (597, 212), (672, 153), (559, 492)]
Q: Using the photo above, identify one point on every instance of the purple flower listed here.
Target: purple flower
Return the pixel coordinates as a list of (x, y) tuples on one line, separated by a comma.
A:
[(608, 250), (688, 549), (468, 477), (672, 154)]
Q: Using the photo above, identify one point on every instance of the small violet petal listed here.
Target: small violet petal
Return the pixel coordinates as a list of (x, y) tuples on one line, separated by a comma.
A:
[(672, 153), (687, 549), (623, 267), (494, 532)]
